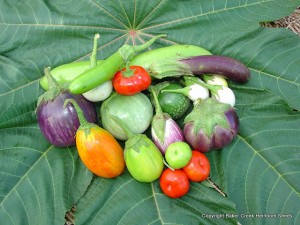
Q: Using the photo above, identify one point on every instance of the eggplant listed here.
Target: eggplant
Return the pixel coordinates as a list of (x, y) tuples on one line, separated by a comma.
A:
[(216, 64), (228, 67), (58, 123), (164, 129), (210, 125), (193, 89), (144, 161)]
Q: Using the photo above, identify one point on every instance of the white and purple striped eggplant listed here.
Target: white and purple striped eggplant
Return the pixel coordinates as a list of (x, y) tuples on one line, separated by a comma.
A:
[(210, 125), (164, 129), (58, 123)]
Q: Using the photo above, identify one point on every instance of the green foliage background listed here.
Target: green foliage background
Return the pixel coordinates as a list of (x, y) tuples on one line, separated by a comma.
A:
[(259, 171)]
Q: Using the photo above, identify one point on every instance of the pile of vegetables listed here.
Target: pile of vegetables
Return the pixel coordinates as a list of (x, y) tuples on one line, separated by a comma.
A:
[(160, 112)]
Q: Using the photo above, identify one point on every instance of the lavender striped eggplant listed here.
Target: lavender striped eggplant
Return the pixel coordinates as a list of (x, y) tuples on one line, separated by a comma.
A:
[(59, 124), (210, 125)]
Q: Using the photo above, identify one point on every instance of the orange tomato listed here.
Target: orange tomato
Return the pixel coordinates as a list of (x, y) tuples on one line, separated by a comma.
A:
[(100, 151)]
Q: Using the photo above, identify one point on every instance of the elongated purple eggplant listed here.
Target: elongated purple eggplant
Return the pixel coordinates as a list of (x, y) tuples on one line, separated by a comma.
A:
[(228, 67), (210, 125), (59, 124)]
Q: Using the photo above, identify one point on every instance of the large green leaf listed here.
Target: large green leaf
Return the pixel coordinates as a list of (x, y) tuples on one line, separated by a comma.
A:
[(262, 165), (259, 171)]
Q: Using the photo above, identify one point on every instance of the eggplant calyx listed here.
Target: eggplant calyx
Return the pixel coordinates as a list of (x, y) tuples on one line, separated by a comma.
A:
[(160, 118), (195, 80), (207, 114), (160, 69), (159, 124), (54, 88), (137, 142)]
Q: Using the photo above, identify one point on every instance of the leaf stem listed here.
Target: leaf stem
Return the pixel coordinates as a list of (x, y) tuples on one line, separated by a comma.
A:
[(216, 187)]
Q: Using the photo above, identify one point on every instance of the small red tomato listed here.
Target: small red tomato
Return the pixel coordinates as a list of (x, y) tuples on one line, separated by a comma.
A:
[(174, 183), (198, 168), (132, 80)]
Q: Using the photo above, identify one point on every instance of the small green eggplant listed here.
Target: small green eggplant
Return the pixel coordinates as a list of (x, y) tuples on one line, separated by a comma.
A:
[(143, 159)]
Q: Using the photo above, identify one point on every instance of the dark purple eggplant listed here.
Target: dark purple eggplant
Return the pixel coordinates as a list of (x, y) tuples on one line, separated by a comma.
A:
[(215, 64), (210, 125), (228, 67), (59, 124)]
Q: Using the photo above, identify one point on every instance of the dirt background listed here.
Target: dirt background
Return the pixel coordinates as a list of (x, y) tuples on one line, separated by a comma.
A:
[(291, 22)]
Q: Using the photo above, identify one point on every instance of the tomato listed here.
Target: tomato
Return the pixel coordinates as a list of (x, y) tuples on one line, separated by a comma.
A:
[(132, 80), (174, 183), (198, 168)]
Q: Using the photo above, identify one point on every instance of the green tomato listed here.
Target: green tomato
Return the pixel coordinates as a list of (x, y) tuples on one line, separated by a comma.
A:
[(178, 154)]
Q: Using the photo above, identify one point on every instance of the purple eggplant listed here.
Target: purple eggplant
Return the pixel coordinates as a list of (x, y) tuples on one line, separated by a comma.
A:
[(228, 67), (210, 125), (164, 129), (59, 124)]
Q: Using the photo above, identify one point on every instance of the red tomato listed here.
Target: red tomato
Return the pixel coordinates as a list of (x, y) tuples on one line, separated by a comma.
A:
[(198, 168), (132, 80), (174, 183)]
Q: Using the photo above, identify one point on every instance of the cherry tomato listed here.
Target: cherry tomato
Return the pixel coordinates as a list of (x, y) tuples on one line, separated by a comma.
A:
[(174, 183), (131, 80), (198, 168)]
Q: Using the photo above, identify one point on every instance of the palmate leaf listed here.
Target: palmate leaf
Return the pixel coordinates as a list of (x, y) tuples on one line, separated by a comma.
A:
[(262, 165), (259, 171)]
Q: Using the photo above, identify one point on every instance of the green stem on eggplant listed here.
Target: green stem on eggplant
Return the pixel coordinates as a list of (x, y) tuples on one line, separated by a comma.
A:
[(154, 93), (126, 129), (51, 81), (82, 120), (93, 58), (184, 91), (212, 88), (54, 87)]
